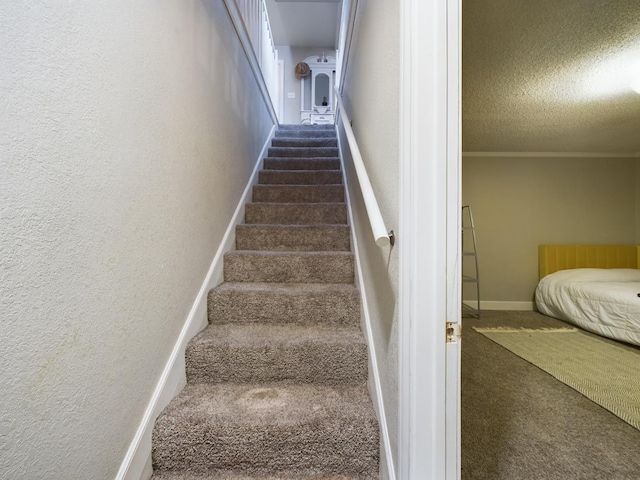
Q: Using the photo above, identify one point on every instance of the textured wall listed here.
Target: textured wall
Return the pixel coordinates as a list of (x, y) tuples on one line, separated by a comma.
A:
[(637, 219), (371, 95), (128, 131), (519, 203)]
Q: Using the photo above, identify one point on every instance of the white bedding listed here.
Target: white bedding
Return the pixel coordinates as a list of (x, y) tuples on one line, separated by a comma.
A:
[(603, 301)]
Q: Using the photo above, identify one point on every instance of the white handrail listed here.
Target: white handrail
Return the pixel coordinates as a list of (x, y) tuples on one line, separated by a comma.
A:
[(382, 236)]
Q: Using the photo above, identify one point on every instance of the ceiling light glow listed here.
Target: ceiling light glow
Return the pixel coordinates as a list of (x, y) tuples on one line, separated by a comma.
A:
[(612, 76), (603, 76)]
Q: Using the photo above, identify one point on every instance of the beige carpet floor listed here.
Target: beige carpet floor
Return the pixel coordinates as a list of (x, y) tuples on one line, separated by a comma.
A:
[(520, 423), (608, 374)]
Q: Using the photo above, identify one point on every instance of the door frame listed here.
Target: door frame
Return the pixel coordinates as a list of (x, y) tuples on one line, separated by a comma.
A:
[(430, 205)]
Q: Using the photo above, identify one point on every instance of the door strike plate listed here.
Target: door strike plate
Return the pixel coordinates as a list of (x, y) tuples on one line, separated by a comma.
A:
[(454, 332)]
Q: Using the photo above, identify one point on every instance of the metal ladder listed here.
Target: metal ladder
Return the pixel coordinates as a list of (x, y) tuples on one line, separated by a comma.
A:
[(470, 275)]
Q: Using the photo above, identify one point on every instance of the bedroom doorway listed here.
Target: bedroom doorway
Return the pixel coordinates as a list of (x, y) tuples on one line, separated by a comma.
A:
[(541, 166)]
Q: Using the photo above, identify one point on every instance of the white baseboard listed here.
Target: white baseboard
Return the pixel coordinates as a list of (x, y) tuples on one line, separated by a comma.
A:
[(551, 154), (489, 305), (136, 464), (375, 388)]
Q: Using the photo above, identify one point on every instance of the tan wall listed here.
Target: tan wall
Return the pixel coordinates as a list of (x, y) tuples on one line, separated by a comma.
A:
[(128, 132), (638, 201), (371, 96), (519, 203)]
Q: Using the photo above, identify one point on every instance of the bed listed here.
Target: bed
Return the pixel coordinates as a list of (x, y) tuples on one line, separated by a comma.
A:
[(596, 287)]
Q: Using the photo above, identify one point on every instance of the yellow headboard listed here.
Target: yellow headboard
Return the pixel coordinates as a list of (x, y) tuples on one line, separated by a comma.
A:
[(552, 258)]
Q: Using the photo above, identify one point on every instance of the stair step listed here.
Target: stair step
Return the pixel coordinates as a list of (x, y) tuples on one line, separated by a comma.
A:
[(291, 163), (298, 193), (288, 127), (276, 384), (289, 267), (293, 303), (283, 354), (304, 152), (300, 177), (264, 429), (229, 475), (293, 237), (306, 133), (304, 142), (296, 213)]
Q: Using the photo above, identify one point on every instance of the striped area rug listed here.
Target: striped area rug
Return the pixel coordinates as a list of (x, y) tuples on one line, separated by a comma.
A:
[(606, 373)]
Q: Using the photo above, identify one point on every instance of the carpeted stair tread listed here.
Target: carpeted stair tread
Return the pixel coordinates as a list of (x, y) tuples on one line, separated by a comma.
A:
[(296, 213), (283, 354), (228, 475), (302, 163), (300, 177), (285, 303), (289, 267), (306, 133), (293, 237), (298, 193), (304, 142), (266, 429), (289, 127), (303, 152)]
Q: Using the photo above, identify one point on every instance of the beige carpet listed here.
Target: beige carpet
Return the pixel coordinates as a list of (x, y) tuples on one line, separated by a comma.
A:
[(277, 383), (606, 373)]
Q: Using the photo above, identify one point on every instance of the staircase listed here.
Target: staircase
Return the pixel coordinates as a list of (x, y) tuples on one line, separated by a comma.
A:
[(276, 382)]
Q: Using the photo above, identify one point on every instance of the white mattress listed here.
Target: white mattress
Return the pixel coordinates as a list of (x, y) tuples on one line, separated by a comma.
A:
[(602, 301)]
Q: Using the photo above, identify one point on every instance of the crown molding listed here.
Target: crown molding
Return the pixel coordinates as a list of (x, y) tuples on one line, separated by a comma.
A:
[(551, 154)]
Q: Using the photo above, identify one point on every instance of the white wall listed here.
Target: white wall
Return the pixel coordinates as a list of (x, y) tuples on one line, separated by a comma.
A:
[(519, 203), (371, 95), (291, 56), (128, 131)]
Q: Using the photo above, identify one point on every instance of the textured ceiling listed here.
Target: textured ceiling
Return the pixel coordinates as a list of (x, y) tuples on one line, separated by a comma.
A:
[(304, 23), (551, 76)]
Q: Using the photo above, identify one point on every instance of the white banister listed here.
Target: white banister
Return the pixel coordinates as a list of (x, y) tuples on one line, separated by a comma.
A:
[(382, 236), (251, 20), (239, 11)]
